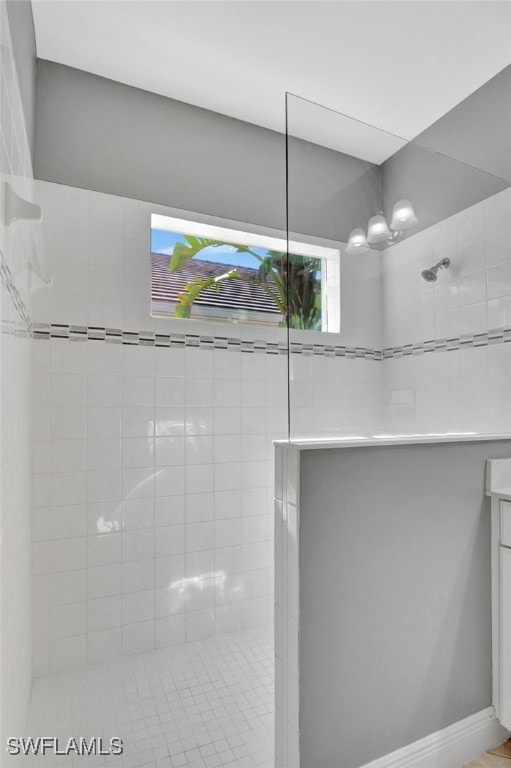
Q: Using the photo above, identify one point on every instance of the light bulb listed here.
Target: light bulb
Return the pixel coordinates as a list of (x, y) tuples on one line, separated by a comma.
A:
[(357, 242), (377, 229), (403, 215)]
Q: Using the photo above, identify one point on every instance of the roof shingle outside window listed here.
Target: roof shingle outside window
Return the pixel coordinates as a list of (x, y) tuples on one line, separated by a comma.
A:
[(232, 295)]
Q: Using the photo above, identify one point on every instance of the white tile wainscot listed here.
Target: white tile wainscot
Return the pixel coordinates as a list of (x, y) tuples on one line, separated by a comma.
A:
[(16, 297), (287, 522), (457, 734)]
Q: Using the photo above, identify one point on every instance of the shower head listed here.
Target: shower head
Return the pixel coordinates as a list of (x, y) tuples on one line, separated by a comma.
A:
[(431, 275)]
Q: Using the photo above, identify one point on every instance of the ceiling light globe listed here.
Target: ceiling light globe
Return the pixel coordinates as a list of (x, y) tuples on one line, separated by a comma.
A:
[(377, 229), (403, 215), (357, 242)]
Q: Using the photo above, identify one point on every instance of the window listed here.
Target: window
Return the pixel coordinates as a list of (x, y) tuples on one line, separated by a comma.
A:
[(210, 272)]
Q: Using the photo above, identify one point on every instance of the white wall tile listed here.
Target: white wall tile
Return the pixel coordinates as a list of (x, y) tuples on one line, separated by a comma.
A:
[(170, 630), (103, 581), (200, 420), (169, 420), (169, 391), (200, 536), (103, 453), (138, 637), (170, 540), (199, 624), (67, 423), (148, 442), (67, 653), (228, 560), (228, 533), (67, 488), (138, 545), (137, 514), (68, 587), (169, 481), (171, 510), (227, 448), (103, 549), (138, 575), (169, 570), (138, 606), (103, 485), (103, 517), (104, 390), (104, 645), (67, 554), (170, 451), (67, 456), (137, 452), (67, 620), (200, 563), (137, 483), (138, 421), (103, 613)]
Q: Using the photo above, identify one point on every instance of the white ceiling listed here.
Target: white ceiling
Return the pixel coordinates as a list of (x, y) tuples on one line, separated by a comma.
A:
[(399, 65)]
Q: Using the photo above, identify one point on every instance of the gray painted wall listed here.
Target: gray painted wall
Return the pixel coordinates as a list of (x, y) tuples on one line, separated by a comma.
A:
[(461, 159), (437, 185), (395, 634), (21, 25), (476, 131), (99, 134)]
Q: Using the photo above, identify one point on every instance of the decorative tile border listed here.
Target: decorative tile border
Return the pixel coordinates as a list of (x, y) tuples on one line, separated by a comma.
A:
[(181, 340), (7, 281), (493, 336)]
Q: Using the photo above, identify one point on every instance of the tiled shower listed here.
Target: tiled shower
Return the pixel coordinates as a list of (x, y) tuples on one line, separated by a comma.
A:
[(152, 506), (137, 450), (15, 396)]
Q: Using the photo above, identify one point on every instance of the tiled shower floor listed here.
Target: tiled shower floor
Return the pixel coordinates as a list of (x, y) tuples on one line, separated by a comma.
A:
[(205, 704)]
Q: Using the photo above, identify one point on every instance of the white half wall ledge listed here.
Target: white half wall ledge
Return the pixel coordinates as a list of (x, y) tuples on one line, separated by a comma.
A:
[(451, 747), (319, 443)]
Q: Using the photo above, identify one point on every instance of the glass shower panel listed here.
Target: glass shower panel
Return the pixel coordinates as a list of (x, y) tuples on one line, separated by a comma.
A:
[(399, 280)]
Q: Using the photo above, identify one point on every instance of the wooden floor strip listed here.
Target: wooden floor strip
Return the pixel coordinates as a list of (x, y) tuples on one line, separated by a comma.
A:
[(504, 750), (498, 757)]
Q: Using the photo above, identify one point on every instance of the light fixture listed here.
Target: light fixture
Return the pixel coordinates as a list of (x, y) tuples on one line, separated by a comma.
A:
[(357, 242), (378, 229), (403, 216)]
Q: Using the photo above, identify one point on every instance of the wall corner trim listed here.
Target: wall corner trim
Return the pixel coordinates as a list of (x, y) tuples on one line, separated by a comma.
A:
[(452, 746)]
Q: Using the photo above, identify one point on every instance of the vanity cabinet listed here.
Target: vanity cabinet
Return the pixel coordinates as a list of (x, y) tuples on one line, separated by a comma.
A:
[(504, 612), (498, 487)]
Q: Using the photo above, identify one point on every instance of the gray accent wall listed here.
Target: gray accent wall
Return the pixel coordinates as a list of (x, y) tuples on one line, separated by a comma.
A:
[(102, 135), (21, 25), (464, 157), (395, 624), (476, 131), (99, 134)]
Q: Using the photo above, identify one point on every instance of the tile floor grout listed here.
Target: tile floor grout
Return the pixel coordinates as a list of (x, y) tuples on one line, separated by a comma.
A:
[(206, 704)]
